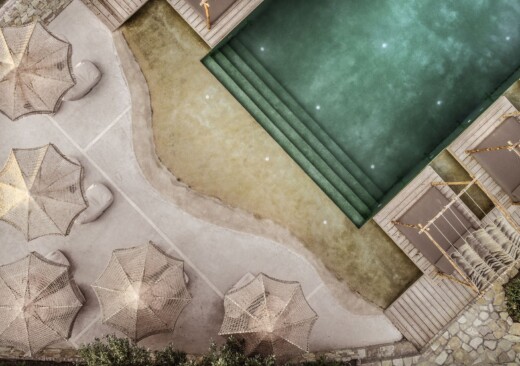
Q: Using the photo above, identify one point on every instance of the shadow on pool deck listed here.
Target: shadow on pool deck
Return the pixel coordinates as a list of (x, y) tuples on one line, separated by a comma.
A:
[(208, 140)]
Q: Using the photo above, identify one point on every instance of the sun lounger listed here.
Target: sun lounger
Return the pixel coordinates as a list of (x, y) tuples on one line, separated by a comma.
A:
[(87, 76), (447, 230), (216, 7), (503, 165), (99, 199)]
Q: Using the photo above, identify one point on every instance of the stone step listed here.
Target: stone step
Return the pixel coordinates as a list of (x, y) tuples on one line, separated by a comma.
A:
[(304, 118), (230, 77)]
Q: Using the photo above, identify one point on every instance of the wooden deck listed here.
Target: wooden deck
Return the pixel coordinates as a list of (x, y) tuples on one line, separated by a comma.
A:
[(472, 137), (222, 26), (114, 12), (428, 306)]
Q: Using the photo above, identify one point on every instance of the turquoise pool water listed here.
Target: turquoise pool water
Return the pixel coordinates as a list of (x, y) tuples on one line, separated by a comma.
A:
[(362, 94)]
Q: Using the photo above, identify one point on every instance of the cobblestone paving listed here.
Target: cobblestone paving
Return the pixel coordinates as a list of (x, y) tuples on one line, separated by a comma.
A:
[(484, 335), (19, 12)]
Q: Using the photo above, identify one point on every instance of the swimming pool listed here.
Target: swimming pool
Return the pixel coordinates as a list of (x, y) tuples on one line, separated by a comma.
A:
[(363, 94)]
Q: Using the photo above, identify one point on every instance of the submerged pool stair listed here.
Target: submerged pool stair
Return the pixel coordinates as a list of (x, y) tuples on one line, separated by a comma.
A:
[(295, 130)]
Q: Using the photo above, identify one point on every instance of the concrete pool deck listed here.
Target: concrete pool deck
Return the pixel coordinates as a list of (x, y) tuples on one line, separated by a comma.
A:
[(98, 130)]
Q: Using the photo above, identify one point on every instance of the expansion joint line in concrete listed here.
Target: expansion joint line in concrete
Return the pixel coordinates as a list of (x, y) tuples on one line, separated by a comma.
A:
[(315, 291), (139, 211), (108, 128)]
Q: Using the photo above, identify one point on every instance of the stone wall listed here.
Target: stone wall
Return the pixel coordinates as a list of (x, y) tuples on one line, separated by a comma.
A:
[(19, 12)]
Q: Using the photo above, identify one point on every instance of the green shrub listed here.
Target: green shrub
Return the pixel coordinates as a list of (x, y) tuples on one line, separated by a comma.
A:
[(232, 354), (322, 361), (170, 357), (115, 352), (512, 290)]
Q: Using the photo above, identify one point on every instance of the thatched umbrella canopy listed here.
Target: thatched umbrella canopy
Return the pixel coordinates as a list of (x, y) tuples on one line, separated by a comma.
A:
[(41, 191), (35, 70), (142, 291), (39, 301), (272, 316)]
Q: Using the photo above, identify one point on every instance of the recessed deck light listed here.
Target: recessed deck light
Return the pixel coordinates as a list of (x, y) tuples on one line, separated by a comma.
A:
[(267, 158), (318, 107), (207, 96), (384, 45), (325, 222), (372, 166), (262, 49), (439, 102), (508, 38)]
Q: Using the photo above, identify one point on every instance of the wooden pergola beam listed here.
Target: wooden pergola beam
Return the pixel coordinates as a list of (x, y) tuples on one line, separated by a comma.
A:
[(422, 229), (458, 183), (509, 147), (512, 114), (205, 5)]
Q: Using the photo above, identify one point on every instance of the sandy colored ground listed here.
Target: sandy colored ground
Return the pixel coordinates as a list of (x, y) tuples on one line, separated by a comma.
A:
[(211, 143), (451, 171), (513, 94)]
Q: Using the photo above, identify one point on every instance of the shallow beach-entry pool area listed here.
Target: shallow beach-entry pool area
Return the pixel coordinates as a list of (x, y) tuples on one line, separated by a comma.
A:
[(363, 96)]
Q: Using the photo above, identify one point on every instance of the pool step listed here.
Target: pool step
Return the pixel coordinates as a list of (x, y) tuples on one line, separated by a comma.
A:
[(310, 128), (285, 127), (297, 132)]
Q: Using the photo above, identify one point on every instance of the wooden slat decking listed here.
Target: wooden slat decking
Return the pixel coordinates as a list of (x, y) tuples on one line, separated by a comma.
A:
[(222, 26), (427, 308), (114, 12), (472, 137), (431, 303)]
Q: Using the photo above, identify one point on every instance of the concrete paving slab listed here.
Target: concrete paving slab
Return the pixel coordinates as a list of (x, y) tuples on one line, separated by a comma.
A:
[(223, 254), (336, 326), (86, 118)]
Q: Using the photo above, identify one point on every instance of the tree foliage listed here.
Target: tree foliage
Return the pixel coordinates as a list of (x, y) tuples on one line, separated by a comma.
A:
[(512, 290), (113, 351)]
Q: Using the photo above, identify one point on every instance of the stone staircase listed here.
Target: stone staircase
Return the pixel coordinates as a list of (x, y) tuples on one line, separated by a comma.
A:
[(295, 130)]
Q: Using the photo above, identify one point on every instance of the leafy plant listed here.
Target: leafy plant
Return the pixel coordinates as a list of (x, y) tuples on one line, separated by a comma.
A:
[(115, 352), (512, 290), (322, 361), (232, 354), (170, 357)]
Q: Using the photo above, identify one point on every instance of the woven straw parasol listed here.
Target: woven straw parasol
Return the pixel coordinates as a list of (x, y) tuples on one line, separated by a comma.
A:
[(39, 301), (41, 191), (272, 316), (35, 70), (142, 291)]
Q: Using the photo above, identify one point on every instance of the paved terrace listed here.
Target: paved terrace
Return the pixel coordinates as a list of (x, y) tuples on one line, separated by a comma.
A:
[(98, 131)]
